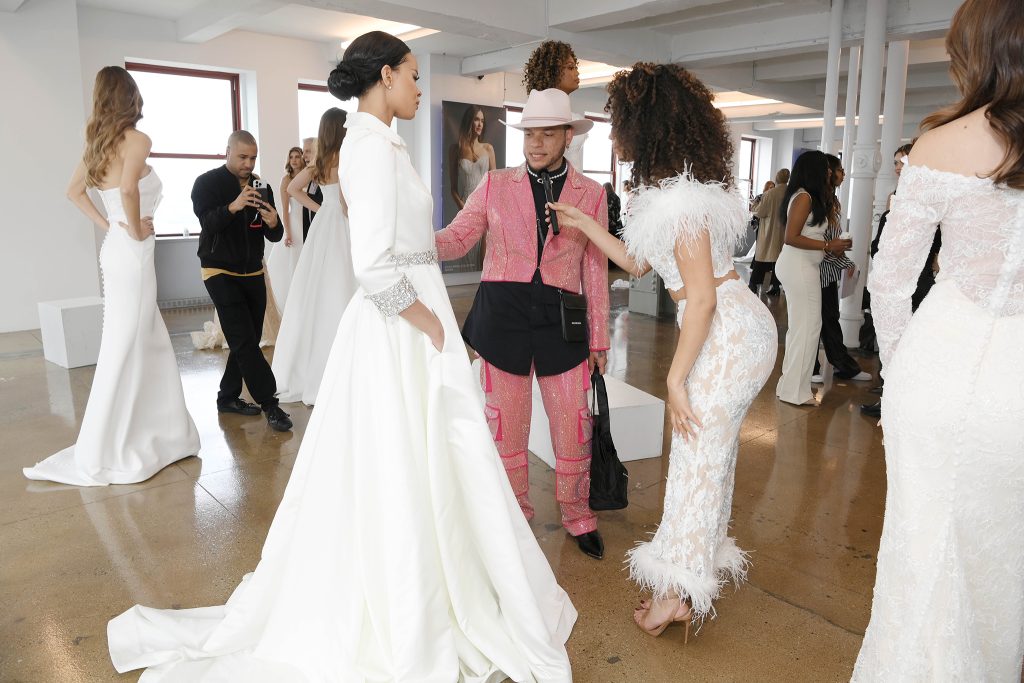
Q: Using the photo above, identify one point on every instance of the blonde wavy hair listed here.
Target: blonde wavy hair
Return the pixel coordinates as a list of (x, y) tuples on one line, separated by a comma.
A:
[(116, 107)]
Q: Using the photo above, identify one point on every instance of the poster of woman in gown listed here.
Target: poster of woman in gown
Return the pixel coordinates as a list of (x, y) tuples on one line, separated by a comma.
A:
[(474, 143)]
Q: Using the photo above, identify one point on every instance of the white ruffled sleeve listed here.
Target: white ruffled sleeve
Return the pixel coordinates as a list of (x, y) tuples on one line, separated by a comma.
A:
[(679, 210), (370, 187), (917, 209)]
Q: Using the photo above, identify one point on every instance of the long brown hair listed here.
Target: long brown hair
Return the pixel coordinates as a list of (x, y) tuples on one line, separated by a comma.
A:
[(986, 49), (116, 107), (663, 120), (288, 161), (328, 143), (466, 130)]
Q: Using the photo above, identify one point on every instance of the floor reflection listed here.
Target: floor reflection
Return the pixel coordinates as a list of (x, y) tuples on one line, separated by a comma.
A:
[(810, 486)]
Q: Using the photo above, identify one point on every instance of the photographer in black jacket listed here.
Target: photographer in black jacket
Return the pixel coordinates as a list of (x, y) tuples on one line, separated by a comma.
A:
[(235, 218)]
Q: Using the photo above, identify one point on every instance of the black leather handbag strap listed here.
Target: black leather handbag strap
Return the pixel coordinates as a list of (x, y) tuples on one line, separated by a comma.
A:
[(599, 403)]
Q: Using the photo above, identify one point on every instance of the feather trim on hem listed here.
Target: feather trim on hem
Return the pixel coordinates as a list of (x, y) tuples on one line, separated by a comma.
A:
[(662, 577), (681, 208)]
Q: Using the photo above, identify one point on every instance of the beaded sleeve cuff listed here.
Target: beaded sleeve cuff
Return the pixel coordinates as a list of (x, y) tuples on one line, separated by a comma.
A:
[(394, 299)]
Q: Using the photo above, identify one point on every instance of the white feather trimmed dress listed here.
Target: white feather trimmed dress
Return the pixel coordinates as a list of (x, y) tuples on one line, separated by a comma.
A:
[(691, 554)]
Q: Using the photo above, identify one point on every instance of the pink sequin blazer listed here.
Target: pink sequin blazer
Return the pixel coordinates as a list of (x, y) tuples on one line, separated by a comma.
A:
[(501, 209)]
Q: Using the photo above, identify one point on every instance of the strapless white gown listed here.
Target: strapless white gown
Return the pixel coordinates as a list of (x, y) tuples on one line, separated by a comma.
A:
[(321, 288), (135, 422), (283, 260)]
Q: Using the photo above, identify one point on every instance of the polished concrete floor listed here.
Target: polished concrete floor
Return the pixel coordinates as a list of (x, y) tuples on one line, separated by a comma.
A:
[(810, 488)]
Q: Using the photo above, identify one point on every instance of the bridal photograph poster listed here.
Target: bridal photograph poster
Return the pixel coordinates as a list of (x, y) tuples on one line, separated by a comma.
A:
[(473, 140)]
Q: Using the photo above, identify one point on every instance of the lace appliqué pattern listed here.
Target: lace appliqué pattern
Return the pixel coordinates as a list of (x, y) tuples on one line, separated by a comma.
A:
[(691, 554), (982, 250), (948, 603)]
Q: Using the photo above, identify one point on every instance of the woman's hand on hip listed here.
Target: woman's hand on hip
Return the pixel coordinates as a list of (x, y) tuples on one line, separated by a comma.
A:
[(684, 421)]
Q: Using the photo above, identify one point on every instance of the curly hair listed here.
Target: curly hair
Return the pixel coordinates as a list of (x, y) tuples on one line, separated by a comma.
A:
[(544, 68), (663, 121)]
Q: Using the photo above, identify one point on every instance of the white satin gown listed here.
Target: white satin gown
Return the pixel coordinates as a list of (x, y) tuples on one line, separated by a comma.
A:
[(284, 260), (320, 290), (135, 421), (398, 552)]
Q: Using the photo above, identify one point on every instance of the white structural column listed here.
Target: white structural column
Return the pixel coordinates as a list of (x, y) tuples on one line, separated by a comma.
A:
[(866, 161), (850, 125), (892, 123), (835, 44)]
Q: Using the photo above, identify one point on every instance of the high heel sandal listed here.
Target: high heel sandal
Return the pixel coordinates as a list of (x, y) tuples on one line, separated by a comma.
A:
[(682, 613)]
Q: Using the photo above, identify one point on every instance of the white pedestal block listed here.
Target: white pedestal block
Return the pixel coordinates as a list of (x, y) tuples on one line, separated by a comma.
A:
[(638, 423), (71, 330)]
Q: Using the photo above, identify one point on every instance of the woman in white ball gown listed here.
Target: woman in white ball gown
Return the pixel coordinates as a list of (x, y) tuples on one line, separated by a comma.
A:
[(135, 421), (949, 593), (398, 552), (324, 281)]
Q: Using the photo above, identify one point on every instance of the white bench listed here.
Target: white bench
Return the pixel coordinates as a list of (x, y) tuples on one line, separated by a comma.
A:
[(638, 423), (71, 330)]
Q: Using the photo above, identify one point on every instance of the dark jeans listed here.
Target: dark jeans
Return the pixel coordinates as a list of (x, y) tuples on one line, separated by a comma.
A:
[(241, 303), (832, 336), (758, 269)]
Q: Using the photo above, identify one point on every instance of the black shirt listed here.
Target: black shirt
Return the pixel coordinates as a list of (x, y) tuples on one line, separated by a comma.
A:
[(233, 242), (314, 192), (516, 325)]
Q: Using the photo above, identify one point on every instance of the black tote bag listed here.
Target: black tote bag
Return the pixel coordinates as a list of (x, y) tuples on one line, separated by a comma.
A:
[(609, 479)]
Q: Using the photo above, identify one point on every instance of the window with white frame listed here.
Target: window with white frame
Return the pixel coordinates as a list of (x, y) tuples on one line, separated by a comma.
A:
[(747, 167), (187, 140), (314, 100)]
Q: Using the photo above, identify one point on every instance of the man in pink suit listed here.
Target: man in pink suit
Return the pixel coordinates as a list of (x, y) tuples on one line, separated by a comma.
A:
[(516, 322)]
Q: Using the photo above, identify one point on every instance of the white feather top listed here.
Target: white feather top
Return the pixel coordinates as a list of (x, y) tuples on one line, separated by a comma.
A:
[(681, 208)]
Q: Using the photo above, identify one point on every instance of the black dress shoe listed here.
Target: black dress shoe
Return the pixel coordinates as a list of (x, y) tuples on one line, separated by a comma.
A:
[(872, 409), (278, 419), (591, 544), (239, 406)]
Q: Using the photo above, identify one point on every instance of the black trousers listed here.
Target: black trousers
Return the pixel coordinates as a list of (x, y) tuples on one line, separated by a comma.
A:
[(832, 336), (758, 269), (241, 303)]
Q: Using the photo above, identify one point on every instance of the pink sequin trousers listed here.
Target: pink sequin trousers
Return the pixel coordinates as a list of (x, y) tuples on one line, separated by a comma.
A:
[(509, 408)]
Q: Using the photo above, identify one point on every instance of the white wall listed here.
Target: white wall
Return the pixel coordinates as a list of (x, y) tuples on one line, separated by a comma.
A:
[(49, 248)]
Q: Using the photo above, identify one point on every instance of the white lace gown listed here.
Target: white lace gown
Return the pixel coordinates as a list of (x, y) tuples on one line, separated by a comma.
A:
[(320, 290), (284, 260), (399, 552), (949, 593), (135, 422), (691, 554)]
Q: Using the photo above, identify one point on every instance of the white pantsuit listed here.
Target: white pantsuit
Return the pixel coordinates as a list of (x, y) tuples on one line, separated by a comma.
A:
[(798, 270)]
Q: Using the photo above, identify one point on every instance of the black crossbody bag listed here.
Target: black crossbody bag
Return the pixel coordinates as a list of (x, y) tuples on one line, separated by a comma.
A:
[(574, 316)]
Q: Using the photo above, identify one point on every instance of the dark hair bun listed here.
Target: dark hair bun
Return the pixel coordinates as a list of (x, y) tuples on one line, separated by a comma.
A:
[(360, 68), (347, 80)]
